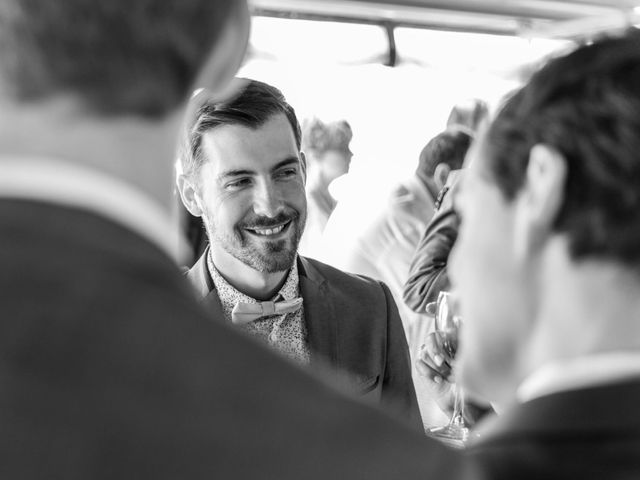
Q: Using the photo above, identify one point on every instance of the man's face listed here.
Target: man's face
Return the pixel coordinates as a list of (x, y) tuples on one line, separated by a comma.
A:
[(253, 194), (492, 282)]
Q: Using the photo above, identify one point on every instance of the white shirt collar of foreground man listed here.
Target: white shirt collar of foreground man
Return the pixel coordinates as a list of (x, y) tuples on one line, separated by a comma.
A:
[(577, 373), (56, 181)]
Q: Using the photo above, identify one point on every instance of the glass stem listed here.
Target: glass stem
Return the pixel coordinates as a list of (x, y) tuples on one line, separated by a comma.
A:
[(457, 417)]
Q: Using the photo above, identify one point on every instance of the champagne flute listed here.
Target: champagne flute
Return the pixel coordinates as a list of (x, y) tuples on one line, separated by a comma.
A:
[(448, 323)]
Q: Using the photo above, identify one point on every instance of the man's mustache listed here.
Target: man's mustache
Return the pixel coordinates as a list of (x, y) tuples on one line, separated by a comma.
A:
[(268, 222)]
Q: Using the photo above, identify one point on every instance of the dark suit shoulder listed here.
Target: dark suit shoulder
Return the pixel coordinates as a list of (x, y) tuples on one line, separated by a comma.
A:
[(358, 301), (580, 427), (335, 275)]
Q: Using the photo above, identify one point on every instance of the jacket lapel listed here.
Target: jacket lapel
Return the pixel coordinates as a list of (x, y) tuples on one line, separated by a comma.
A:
[(319, 316), (201, 281)]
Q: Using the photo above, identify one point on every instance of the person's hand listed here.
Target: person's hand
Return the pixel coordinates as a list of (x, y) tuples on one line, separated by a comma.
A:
[(435, 365)]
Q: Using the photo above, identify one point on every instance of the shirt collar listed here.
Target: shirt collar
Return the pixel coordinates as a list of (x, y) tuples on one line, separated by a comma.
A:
[(56, 181), (230, 296), (577, 373)]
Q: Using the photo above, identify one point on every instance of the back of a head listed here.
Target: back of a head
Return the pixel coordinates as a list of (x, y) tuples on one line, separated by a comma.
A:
[(251, 106), (586, 106), (129, 57), (470, 114), (448, 147), (319, 137)]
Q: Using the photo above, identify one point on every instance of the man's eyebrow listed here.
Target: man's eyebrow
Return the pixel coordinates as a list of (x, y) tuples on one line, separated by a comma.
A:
[(234, 173), (243, 171)]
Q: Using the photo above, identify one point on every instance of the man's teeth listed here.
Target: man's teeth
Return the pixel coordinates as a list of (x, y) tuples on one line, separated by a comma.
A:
[(269, 231)]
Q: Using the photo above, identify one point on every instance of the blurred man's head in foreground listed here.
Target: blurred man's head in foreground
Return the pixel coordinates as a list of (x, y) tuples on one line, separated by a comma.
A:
[(551, 200), (132, 58)]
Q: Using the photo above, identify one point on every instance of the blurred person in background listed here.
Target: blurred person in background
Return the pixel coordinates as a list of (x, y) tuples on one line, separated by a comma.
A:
[(328, 155), (384, 243), (427, 278), (109, 368), (427, 275), (244, 174), (471, 114)]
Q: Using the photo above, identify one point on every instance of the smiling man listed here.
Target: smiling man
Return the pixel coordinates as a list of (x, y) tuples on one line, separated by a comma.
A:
[(244, 174)]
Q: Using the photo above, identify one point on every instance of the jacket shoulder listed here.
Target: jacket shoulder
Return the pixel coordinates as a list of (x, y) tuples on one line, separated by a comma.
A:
[(335, 276)]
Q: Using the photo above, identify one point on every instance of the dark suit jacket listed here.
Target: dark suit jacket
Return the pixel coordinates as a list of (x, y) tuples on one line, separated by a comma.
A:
[(110, 369), (591, 433), (428, 270), (353, 328)]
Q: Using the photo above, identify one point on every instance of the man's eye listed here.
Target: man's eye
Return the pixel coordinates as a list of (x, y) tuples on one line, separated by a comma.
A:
[(287, 172), (239, 183)]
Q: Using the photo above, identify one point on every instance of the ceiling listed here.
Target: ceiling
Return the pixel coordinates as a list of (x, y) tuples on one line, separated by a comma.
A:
[(570, 19)]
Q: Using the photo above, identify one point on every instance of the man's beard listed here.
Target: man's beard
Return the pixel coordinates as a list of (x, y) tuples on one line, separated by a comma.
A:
[(263, 256)]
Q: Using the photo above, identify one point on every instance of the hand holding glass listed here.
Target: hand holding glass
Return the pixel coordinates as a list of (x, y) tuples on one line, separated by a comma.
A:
[(448, 322)]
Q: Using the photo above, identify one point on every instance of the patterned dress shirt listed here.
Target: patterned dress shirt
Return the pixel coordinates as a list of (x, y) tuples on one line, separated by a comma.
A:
[(285, 333)]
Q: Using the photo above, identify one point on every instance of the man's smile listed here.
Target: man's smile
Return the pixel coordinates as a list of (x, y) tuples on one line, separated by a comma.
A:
[(271, 231)]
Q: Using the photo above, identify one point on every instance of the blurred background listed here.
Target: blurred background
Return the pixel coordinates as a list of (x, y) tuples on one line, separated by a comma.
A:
[(395, 68)]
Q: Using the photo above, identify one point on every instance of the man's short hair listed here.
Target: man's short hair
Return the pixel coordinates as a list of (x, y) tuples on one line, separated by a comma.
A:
[(138, 57), (255, 103), (448, 147), (586, 106)]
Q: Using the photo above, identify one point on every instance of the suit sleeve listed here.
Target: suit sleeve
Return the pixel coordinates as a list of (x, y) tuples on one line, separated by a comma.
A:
[(398, 392), (428, 271)]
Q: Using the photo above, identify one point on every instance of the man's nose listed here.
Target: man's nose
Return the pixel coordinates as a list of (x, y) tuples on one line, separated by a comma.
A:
[(268, 200)]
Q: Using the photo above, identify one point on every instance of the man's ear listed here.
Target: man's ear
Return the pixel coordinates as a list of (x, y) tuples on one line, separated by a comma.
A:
[(189, 196), (303, 166), (541, 197), (440, 175)]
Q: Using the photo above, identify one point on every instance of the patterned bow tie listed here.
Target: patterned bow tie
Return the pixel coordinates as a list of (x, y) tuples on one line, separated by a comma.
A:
[(244, 313)]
